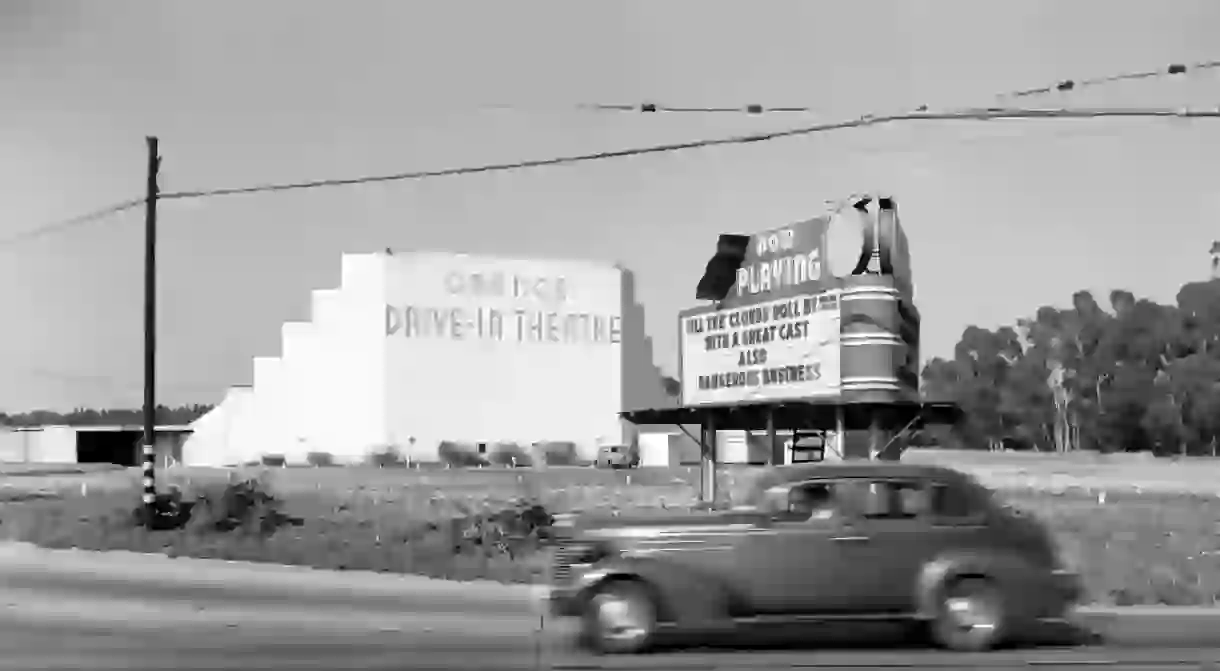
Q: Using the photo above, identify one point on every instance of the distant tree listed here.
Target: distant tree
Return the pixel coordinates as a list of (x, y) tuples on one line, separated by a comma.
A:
[(1141, 376), (105, 417)]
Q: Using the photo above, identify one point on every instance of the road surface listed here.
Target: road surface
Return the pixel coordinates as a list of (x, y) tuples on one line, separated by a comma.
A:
[(77, 610)]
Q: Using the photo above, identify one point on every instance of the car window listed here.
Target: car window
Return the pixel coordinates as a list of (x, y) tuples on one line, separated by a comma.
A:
[(951, 502), (811, 501), (890, 499)]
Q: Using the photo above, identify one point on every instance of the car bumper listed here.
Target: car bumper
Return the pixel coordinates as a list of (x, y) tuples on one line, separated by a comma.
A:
[(1058, 596), (1068, 585)]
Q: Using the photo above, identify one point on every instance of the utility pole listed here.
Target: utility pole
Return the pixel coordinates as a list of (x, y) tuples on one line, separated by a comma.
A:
[(149, 447)]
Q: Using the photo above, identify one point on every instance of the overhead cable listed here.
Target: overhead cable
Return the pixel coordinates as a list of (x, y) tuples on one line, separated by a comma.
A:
[(67, 224), (970, 114), (754, 109)]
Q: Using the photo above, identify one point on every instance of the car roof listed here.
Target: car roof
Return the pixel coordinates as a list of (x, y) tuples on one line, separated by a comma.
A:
[(861, 469)]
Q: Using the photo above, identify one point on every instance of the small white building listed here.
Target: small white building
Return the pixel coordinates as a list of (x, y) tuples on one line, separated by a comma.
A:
[(42, 445), (106, 444), (660, 448), (414, 349)]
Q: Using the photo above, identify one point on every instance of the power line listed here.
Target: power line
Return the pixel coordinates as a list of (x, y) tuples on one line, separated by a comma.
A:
[(1075, 85), (1062, 86), (67, 224), (1173, 69), (968, 114)]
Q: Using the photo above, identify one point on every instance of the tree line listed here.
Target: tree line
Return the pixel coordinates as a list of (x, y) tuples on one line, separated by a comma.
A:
[(1139, 376), (165, 415)]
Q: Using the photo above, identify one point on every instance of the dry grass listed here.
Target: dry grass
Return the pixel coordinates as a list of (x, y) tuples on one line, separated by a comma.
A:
[(1050, 472), (1141, 532), (1135, 548), (407, 528)]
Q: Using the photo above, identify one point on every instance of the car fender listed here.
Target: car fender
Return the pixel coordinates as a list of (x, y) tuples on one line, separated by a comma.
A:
[(1012, 575), (685, 595)]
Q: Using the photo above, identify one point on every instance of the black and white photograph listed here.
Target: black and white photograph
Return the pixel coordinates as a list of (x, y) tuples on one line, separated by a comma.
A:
[(565, 335)]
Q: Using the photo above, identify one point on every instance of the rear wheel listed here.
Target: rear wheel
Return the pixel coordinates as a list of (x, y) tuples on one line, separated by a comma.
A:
[(619, 618), (970, 616)]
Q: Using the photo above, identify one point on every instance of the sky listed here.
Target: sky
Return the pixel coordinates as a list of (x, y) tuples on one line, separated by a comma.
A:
[(1002, 217)]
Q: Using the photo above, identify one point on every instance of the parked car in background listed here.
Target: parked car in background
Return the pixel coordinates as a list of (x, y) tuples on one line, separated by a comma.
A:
[(617, 456), (837, 542)]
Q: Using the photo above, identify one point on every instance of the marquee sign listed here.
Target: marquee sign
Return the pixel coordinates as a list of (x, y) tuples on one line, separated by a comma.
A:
[(777, 333)]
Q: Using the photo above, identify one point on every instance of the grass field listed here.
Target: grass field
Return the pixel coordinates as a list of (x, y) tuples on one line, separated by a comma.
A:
[(1141, 531)]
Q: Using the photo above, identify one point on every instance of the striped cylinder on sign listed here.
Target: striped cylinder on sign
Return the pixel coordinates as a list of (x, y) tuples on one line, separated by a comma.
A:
[(876, 341)]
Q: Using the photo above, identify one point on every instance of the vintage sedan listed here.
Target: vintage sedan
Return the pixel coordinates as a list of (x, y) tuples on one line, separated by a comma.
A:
[(856, 541)]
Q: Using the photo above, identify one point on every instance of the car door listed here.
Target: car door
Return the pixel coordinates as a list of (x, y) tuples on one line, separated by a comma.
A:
[(802, 563), (909, 523), (900, 541)]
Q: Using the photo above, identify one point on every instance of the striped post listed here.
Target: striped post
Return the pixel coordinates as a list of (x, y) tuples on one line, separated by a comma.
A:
[(150, 481), (150, 330)]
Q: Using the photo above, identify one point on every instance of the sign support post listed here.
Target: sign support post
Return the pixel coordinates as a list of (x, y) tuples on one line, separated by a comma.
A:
[(777, 448), (707, 460), (840, 433)]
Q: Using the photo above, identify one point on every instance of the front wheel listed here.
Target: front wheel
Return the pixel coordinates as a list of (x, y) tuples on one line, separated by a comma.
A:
[(970, 616), (620, 618)]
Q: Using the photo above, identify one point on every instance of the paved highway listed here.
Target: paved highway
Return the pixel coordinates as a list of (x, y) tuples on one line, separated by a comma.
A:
[(1139, 639), (62, 610), (78, 610)]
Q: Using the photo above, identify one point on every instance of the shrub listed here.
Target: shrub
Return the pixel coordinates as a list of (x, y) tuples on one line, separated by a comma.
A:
[(510, 454), (247, 505), (560, 454), (519, 529), (320, 459), (168, 511), (386, 457), (460, 455)]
